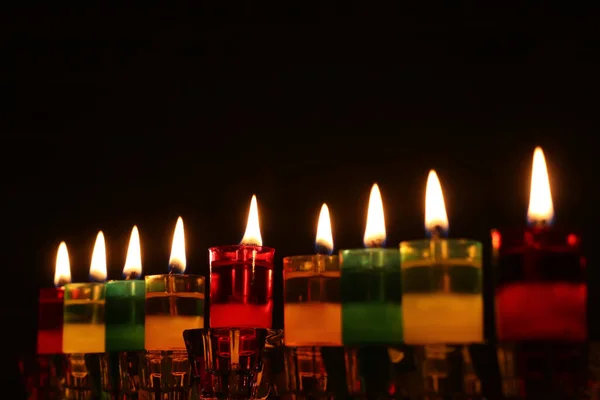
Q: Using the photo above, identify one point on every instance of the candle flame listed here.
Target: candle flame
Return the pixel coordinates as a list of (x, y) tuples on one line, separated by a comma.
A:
[(252, 235), (324, 235), (375, 230), (541, 208), (98, 264), (133, 262), (62, 269), (435, 207), (177, 262)]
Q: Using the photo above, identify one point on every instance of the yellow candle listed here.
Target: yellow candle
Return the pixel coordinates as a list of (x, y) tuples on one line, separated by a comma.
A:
[(84, 329)]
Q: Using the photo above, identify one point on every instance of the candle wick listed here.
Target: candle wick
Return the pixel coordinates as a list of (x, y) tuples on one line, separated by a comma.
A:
[(131, 276)]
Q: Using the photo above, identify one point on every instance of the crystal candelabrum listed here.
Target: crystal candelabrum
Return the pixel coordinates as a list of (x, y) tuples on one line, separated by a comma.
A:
[(312, 317), (84, 329), (174, 302), (241, 280), (370, 285), (442, 300), (125, 319)]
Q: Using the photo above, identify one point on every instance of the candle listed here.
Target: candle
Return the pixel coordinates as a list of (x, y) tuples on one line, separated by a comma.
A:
[(312, 308), (174, 302), (84, 330), (370, 285), (50, 318), (125, 302), (541, 291), (442, 299), (241, 280)]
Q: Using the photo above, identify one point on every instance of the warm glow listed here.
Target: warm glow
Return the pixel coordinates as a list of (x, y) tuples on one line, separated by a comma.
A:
[(324, 235), (98, 265), (133, 262), (62, 270), (540, 197), (435, 208), (375, 230), (177, 262), (252, 234)]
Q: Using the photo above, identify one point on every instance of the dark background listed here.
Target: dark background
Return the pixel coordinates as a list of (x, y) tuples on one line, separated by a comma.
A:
[(138, 116)]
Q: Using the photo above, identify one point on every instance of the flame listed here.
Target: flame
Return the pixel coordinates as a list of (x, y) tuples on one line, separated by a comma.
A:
[(324, 236), (98, 265), (252, 234), (435, 208), (375, 230), (177, 262), (540, 196), (133, 262), (62, 270)]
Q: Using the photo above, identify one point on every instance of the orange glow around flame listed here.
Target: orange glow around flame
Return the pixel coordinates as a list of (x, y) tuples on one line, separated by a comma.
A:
[(252, 235), (541, 208), (98, 264), (62, 269), (324, 235), (133, 262), (435, 207), (177, 262), (375, 229)]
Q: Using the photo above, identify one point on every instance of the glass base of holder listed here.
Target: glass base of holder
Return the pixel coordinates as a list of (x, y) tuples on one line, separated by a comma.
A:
[(232, 363), (121, 375), (164, 375), (43, 375), (81, 380)]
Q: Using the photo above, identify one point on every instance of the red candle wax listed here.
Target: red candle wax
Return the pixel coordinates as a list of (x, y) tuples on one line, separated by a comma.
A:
[(50, 321), (241, 286), (541, 290)]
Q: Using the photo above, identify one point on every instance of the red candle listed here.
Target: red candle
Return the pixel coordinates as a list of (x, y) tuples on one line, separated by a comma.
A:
[(50, 319), (541, 290), (241, 280)]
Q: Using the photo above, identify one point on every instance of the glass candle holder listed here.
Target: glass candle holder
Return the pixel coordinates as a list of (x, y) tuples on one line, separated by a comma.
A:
[(174, 303), (165, 375), (371, 299), (234, 363), (312, 310), (442, 299), (82, 377), (50, 321), (241, 287), (83, 327), (541, 288), (125, 315), (121, 374)]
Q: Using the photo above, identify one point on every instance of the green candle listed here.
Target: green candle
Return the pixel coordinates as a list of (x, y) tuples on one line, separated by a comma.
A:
[(371, 286), (125, 303)]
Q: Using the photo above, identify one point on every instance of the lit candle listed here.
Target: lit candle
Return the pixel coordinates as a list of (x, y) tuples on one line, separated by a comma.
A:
[(312, 308), (442, 299), (370, 285), (241, 280), (125, 302), (50, 318), (84, 329), (541, 290), (174, 301)]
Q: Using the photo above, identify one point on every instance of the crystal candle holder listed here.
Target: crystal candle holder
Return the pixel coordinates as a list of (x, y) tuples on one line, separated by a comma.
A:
[(82, 377), (371, 296), (312, 309), (50, 321), (174, 303), (83, 327), (120, 374), (234, 362), (442, 299), (165, 375), (125, 315), (541, 288), (241, 287)]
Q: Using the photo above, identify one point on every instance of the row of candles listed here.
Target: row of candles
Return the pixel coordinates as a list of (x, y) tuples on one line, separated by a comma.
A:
[(425, 291)]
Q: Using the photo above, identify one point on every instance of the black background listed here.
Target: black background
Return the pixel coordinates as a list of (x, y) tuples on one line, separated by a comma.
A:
[(114, 118)]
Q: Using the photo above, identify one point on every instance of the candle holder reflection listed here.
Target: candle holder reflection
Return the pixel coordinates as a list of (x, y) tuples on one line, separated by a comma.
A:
[(43, 375), (231, 363), (543, 370)]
